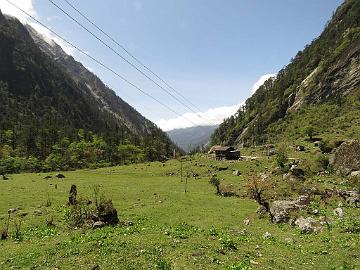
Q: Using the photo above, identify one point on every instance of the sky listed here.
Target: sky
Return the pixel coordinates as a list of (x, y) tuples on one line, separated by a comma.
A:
[(215, 53)]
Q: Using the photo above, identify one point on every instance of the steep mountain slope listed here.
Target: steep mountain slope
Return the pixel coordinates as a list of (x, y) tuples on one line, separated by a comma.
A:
[(106, 98), (319, 88), (190, 138), (46, 97)]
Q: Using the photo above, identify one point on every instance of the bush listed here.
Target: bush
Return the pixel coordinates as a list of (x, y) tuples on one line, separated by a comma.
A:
[(281, 157), (322, 161)]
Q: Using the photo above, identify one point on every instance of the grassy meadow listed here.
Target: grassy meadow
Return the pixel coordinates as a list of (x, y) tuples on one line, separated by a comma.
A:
[(170, 229)]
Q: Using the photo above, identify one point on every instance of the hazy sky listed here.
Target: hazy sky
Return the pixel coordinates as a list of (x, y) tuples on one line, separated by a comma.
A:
[(212, 51)]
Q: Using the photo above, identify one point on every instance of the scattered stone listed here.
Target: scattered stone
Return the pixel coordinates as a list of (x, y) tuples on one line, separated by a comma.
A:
[(352, 197), (12, 210), (272, 152), (48, 177), (98, 224), (128, 223), (355, 174), (297, 172), (339, 212), (247, 221), (300, 148), (307, 225), (289, 240), (267, 235), (59, 175), (37, 212), (23, 214), (236, 172)]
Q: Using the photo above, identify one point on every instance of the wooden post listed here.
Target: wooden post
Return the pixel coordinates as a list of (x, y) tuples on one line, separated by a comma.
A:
[(181, 167), (186, 181)]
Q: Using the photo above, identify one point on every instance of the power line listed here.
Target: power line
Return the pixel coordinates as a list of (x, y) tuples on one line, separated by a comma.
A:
[(122, 57), (130, 54), (100, 63)]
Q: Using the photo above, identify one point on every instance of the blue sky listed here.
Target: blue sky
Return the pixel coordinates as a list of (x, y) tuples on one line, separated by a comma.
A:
[(211, 51)]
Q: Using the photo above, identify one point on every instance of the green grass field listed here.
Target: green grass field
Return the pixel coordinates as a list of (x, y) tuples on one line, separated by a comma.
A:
[(171, 229)]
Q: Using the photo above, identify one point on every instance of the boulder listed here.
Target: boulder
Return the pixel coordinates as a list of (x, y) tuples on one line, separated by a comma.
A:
[(351, 197), (236, 172), (347, 157), (339, 212), (48, 177), (280, 210), (307, 225), (60, 175), (98, 224)]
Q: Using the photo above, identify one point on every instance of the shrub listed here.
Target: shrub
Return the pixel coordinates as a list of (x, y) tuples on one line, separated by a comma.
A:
[(281, 157), (216, 183), (322, 161)]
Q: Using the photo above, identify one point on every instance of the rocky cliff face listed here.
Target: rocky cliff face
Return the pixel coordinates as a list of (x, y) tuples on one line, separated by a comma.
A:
[(326, 75)]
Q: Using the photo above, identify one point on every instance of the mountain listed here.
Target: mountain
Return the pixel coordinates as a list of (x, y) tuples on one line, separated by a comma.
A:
[(49, 100), (190, 138), (319, 90)]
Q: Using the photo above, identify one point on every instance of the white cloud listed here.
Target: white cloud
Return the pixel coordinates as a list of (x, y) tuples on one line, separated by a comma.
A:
[(52, 18), (28, 6), (214, 116), (261, 81)]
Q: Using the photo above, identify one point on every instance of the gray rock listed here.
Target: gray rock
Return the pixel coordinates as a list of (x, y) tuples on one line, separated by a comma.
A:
[(267, 235), (246, 221), (307, 225), (37, 212), (339, 212), (355, 174), (12, 210), (236, 172), (352, 197), (280, 210), (98, 224), (60, 175), (347, 157)]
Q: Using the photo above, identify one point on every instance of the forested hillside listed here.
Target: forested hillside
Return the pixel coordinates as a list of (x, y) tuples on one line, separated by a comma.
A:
[(51, 120), (319, 91)]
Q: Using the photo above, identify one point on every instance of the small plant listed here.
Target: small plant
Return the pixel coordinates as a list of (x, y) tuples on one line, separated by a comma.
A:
[(309, 131), (228, 243), (17, 225), (216, 183), (322, 161), (48, 202)]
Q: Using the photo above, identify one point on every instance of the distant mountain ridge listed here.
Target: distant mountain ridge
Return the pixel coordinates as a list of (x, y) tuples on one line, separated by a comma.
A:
[(319, 88), (190, 138)]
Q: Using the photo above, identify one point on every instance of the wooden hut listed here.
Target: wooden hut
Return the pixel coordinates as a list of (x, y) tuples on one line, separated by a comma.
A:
[(225, 152)]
